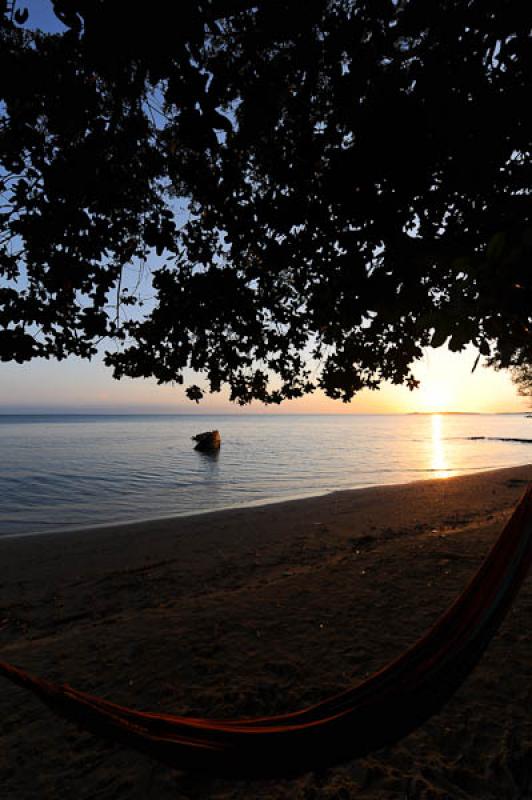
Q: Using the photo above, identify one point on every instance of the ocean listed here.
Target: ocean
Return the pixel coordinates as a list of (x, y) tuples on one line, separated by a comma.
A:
[(60, 472)]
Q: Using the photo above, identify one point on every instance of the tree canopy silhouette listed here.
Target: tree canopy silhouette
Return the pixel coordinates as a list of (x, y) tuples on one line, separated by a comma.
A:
[(522, 377), (321, 188)]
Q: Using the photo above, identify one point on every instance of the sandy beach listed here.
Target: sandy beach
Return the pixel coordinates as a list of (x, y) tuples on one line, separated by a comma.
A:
[(263, 610)]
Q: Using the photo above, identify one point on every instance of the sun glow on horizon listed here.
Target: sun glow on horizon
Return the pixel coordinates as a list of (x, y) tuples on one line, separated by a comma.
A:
[(436, 397), (447, 384)]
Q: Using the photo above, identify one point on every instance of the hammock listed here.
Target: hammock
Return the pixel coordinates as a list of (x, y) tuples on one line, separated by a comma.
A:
[(375, 713)]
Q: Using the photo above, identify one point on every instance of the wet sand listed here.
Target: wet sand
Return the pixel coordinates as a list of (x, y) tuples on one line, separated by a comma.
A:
[(263, 610)]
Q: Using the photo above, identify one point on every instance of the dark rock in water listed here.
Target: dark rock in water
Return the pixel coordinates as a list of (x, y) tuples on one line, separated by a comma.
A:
[(210, 440)]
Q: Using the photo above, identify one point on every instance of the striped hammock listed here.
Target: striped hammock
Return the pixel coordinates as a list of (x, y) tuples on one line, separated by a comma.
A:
[(377, 712)]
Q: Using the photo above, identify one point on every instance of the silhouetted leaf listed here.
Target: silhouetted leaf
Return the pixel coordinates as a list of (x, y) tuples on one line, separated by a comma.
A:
[(21, 16)]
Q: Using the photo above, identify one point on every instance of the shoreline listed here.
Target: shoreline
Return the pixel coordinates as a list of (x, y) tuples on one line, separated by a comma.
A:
[(263, 610), (268, 501)]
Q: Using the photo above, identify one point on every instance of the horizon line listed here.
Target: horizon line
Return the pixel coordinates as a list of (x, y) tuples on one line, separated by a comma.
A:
[(111, 413)]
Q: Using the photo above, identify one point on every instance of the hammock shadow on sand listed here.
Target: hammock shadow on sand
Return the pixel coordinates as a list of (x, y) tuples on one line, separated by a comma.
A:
[(375, 713)]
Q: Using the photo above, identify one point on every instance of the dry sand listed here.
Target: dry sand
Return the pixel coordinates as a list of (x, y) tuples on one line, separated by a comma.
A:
[(264, 610)]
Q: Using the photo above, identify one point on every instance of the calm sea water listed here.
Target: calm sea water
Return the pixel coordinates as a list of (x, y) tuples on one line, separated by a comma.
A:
[(59, 472)]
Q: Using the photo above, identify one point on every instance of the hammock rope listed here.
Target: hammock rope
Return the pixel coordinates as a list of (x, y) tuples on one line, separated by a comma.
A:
[(375, 713)]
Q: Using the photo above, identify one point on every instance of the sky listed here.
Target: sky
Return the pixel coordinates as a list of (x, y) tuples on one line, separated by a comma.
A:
[(73, 385), (41, 15)]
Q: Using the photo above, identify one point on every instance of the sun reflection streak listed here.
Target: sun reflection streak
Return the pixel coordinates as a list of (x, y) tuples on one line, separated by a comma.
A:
[(439, 463)]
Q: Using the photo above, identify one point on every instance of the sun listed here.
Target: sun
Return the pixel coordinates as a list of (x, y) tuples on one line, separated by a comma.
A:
[(435, 397)]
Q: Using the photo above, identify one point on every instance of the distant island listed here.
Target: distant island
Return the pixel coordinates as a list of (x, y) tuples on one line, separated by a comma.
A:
[(447, 413), (467, 413)]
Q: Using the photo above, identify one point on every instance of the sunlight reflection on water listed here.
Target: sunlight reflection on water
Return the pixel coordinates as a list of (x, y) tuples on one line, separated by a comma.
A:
[(439, 462)]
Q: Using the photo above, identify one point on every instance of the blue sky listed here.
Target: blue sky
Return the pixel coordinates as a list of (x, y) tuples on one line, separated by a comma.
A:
[(40, 15)]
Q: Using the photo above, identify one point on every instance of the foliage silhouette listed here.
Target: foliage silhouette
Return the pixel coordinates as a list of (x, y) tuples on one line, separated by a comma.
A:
[(356, 176), (522, 377)]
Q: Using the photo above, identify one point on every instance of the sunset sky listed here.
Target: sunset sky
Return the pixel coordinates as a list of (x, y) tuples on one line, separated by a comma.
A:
[(447, 384)]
